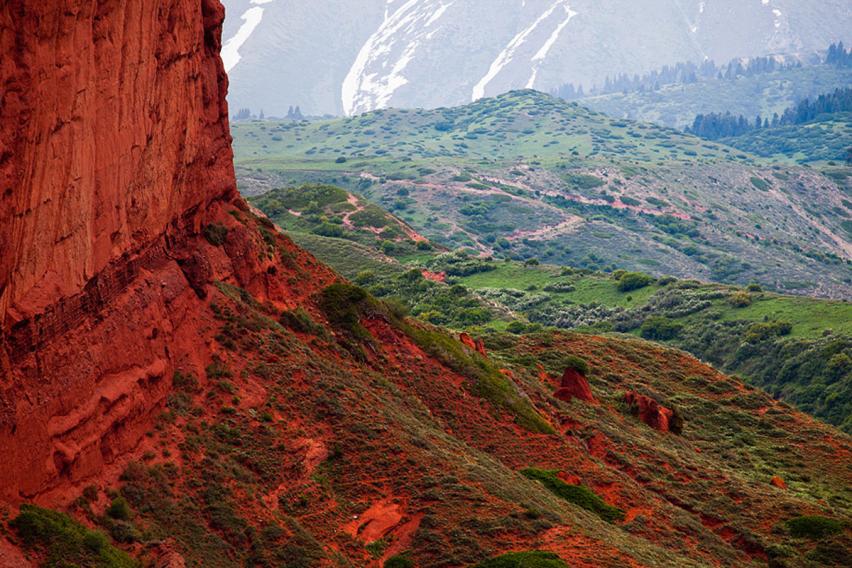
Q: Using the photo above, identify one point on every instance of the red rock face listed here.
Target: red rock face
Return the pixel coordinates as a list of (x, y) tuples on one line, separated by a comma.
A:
[(114, 153), (650, 411), (113, 133), (574, 385)]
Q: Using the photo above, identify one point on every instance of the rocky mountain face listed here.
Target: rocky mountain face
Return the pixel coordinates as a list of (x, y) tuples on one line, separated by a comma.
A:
[(330, 57), (179, 376)]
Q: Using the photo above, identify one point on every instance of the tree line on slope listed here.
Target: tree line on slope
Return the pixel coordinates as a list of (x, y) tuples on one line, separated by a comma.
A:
[(714, 126), (687, 73)]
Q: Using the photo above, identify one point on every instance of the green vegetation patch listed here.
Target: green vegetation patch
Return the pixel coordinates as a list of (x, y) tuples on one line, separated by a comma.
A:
[(532, 559), (577, 494), (65, 542), (630, 281), (813, 526), (399, 561)]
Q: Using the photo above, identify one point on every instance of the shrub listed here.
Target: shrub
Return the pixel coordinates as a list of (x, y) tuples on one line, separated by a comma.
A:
[(516, 327), (377, 547), (577, 494), (760, 183), (216, 234), (299, 320), (329, 230), (399, 561), (630, 281), (584, 181), (340, 160), (185, 382), (740, 299), (577, 363), (533, 559), (341, 303), (754, 287), (119, 509), (660, 328), (64, 542), (813, 526)]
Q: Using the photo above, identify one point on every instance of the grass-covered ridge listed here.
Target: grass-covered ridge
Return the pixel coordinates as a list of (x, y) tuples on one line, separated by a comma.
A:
[(576, 494)]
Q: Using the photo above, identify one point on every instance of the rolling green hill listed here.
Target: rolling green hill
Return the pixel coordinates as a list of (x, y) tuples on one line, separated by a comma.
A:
[(525, 175)]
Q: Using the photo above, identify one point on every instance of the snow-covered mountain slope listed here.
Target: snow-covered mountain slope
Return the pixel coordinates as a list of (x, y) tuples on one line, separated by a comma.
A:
[(351, 56)]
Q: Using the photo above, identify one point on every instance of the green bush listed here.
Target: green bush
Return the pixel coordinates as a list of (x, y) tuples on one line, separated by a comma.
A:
[(64, 542), (577, 494), (300, 320), (813, 526), (577, 363), (740, 299), (216, 234), (533, 559), (760, 183), (329, 230), (630, 281), (119, 509), (398, 561), (584, 181), (660, 328)]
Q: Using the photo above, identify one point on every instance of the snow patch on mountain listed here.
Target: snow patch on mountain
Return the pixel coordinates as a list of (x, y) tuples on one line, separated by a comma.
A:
[(251, 19), (541, 54), (507, 55), (390, 49)]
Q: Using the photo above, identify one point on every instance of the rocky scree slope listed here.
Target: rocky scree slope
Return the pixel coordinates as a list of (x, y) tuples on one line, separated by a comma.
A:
[(211, 395)]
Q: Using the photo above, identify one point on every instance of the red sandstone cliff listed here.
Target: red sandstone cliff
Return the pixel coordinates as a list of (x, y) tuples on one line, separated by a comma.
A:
[(113, 133), (114, 152)]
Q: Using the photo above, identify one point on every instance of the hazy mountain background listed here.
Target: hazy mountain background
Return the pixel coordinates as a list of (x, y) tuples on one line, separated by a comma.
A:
[(352, 56)]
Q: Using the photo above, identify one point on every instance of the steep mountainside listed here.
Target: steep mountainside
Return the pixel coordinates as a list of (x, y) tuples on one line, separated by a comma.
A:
[(198, 391), (527, 175), (430, 53)]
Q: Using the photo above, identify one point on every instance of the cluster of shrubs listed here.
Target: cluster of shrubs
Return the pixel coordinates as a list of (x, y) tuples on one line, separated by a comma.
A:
[(629, 281)]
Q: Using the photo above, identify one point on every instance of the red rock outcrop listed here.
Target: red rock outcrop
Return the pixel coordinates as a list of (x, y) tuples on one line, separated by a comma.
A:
[(650, 411), (114, 155), (574, 385), (475, 344), (778, 482)]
